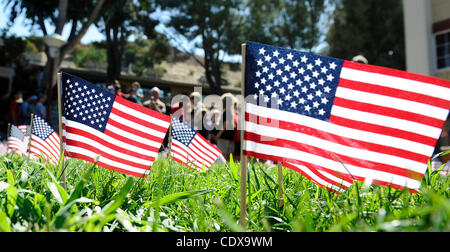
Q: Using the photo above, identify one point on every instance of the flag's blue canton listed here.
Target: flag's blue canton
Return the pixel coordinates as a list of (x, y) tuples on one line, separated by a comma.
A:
[(292, 81), (86, 103), (41, 128), (16, 132), (182, 132)]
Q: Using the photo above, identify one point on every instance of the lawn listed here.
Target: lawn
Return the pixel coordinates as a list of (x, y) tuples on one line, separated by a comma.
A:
[(177, 198)]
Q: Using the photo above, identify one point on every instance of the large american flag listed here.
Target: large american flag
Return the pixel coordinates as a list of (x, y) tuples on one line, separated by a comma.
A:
[(45, 141), (124, 136), (16, 140), (338, 121), (190, 148)]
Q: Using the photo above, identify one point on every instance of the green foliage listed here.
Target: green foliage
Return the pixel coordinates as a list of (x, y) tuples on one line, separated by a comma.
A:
[(218, 25), (12, 49), (372, 28), (143, 54), (174, 198), (91, 54)]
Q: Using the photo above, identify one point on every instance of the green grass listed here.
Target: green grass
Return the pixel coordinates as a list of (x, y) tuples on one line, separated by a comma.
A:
[(176, 198)]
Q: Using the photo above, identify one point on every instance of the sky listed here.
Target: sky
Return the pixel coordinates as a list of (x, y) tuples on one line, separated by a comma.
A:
[(23, 28)]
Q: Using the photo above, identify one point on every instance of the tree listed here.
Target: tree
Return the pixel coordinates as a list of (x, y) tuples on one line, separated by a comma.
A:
[(58, 13), (373, 28), (118, 21), (218, 25), (84, 55), (143, 54), (115, 23), (80, 14), (11, 50), (297, 25)]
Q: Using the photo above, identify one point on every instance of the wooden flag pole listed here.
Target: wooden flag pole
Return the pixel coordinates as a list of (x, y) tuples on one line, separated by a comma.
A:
[(61, 144), (280, 183), (169, 144), (243, 165), (31, 134), (8, 131)]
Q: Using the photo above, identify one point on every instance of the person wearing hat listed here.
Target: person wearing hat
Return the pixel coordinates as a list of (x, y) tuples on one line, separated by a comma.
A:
[(154, 102), (360, 59)]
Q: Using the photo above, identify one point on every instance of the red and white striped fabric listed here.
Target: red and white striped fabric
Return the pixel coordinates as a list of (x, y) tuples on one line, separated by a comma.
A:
[(322, 178), (45, 141), (16, 141), (347, 119), (123, 136), (190, 148), (26, 130)]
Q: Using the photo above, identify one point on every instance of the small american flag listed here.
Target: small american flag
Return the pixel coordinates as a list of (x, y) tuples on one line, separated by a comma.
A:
[(16, 141), (191, 148), (25, 129), (124, 136), (341, 120), (45, 141)]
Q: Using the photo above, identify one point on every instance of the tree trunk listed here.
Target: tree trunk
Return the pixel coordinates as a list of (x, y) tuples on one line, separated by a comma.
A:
[(114, 49)]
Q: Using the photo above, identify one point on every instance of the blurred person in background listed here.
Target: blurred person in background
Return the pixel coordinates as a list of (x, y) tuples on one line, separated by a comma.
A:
[(225, 135), (132, 97), (13, 112), (154, 102), (139, 93), (118, 89), (40, 108), (27, 108)]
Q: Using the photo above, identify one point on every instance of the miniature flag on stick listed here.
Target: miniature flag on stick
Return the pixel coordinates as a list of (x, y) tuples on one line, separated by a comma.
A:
[(45, 141), (342, 120), (123, 135), (190, 148), (16, 140)]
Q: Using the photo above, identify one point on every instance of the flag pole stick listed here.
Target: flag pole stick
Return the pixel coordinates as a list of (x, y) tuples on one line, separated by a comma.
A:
[(8, 131), (280, 183), (169, 144), (31, 134), (61, 145), (243, 165)]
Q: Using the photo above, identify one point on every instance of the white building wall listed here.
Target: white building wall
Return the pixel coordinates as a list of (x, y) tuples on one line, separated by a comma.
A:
[(418, 36)]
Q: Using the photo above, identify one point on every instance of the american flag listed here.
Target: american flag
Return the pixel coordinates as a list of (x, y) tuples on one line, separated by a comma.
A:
[(16, 141), (45, 141), (341, 120), (124, 136), (25, 129), (191, 148)]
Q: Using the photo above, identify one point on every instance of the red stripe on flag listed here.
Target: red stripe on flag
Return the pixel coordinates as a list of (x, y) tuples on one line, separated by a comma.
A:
[(318, 174), (136, 120), (102, 153), (341, 140), (385, 111), (359, 125), (108, 144), (346, 160), (396, 73), (107, 166), (396, 93), (133, 131), (142, 109)]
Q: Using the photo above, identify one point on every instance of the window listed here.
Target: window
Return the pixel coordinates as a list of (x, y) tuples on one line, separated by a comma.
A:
[(443, 50)]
